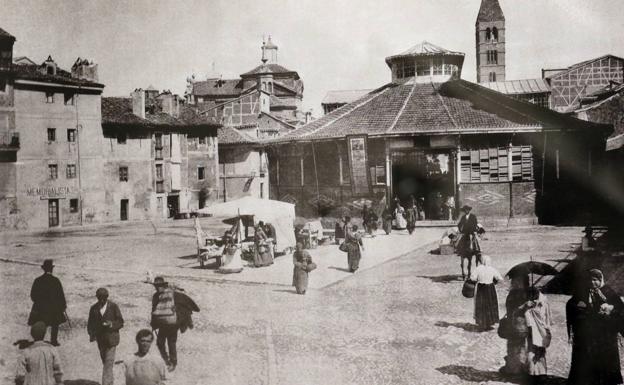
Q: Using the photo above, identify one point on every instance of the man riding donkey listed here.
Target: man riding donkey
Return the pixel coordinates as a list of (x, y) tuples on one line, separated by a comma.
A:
[(468, 244)]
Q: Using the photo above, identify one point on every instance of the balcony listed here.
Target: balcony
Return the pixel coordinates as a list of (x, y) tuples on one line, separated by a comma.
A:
[(9, 141)]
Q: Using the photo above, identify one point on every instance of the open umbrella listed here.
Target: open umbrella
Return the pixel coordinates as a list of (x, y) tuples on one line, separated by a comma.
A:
[(531, 267)]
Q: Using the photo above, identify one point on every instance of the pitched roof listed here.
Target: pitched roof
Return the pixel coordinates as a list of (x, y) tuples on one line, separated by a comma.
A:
[(33, 72), (281, 103), (424, 49), (271, 68), (343, 96), (515, 87), (581, 64), (21, 60), (490, 10), (5, 35), (118, 111), (230, 135), (225, 87), (413, 108)]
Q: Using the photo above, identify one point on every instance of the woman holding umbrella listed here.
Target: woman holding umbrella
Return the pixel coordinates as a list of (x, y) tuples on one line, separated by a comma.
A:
[(593, 316)]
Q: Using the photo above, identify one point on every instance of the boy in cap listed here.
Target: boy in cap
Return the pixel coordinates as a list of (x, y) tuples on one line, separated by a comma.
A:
[(39, 363)]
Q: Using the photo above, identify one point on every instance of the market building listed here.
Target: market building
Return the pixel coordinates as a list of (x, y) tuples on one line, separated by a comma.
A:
[(430, 134)]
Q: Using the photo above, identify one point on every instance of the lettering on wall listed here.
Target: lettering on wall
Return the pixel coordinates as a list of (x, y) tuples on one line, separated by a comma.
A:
[(48, 192), (358, 164)]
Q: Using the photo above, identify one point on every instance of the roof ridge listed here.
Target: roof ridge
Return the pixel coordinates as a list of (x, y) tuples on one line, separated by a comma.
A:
[(344, 114), (448, 112), (224, 103), (407, 99)]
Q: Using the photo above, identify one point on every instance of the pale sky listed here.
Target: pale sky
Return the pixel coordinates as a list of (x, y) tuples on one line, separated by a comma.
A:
[(332, 44)]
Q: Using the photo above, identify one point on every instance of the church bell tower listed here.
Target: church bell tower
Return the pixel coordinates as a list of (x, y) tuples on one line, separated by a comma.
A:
[(490, 42)]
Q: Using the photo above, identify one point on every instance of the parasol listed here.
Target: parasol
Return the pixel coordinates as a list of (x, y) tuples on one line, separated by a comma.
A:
[(531, 267)]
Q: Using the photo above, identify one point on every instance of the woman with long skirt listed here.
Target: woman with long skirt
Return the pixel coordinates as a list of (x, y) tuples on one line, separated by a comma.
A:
[(593, 317), (486, 301), (354, 247), (262, 256), (302, 260)]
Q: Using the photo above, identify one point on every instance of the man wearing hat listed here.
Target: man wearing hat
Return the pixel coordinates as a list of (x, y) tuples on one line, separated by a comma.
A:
[(171, 311), (103, 326), (467, 245), (48, 301), (39, 363)]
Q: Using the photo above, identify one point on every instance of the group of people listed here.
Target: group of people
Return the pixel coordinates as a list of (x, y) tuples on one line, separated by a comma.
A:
[(264, 244), (39, 362), (595, 316)]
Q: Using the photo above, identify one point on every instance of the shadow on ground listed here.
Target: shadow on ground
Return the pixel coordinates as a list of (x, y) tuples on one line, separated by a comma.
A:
[(80, 382), (339, 269), (467, 373), (461, 325), (443, 278), (293, 291)]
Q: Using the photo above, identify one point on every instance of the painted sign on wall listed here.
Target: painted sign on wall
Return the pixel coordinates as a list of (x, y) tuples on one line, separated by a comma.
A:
[(48, 192)]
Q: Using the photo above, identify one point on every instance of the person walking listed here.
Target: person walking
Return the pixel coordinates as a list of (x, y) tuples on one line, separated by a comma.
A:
[(399, 217), (171, 311), (143, 367), (303, 265), (486, 300), (411, 216), (39, 363), (48, 301), (467, 245), (103, 326), (365, 218), (593, 318), (354, 248), (386, 217)]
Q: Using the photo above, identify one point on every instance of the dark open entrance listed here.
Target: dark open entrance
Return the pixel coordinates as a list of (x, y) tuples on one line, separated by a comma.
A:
[(428, 175), (123, 214), (173, 204)]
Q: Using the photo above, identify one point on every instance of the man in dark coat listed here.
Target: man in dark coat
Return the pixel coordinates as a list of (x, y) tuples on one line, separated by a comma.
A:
[(467, 246), (167, 336), (103, 326), (48, 301)]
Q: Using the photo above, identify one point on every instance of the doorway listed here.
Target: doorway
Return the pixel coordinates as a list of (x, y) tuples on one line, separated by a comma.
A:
[(173, 204), (124, 210), (53, 212), (429, 177)]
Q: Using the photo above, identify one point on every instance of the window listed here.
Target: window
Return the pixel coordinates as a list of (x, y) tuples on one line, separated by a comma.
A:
[(49, 97), (70, 171), (437, 67), (202, 140), (3, 84), (399, 70), (50, 70), (121, 138), (73, 205), (492, 76), (423, 68), (488, 33), (53, 171), (378, 174), (68, 98), (158, 153), (158, 140), (159, 171), (408, 70), (495, 34), (51, 134), (71, 135), (160, 187), (123, 174), (201, 173), (492, 57), (491, 164)]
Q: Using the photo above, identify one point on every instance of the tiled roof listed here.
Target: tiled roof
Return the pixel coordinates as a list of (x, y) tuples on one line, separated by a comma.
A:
[(5, 35), (413, 108), (118, 111), (490, 10), (343, 96), (33, 72), (424, 49), (514, 87), (615, 142), (225, 87), (230, 135), (269, 69), (281, 103)]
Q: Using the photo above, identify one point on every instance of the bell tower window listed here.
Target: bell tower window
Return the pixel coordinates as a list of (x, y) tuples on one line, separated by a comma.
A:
[(488, 33), (494, 34), (492, 76)]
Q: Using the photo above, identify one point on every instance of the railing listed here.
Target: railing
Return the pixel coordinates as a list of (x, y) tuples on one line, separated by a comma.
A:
[(10, 139)]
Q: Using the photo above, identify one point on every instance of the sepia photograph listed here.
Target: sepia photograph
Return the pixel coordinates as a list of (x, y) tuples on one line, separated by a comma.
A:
[(311, 192)]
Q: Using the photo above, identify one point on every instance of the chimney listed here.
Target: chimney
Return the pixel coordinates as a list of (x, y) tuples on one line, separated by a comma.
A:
[(138, 103), (83, 69), (168, 103)]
